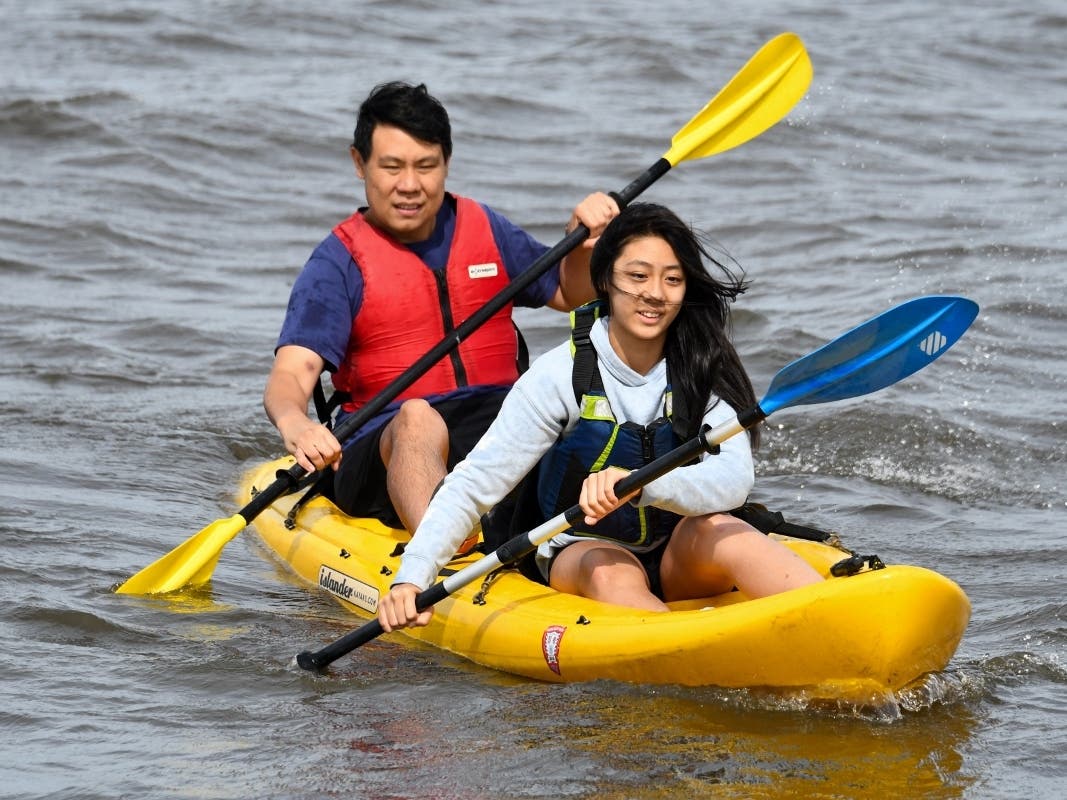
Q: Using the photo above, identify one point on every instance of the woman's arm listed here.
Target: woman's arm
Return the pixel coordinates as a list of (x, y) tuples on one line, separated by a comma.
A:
[(532, 416), (717, 483)]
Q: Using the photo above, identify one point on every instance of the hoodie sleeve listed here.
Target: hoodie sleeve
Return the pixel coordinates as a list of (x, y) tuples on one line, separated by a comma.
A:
[(716, 483), (537, 409)]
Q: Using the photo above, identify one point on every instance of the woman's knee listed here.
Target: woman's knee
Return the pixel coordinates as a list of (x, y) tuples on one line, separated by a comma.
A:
[(707, 531), (594, 569), (602, 570)]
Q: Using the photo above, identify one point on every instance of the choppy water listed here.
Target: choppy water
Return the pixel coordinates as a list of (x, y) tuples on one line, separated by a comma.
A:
[(165, 169)]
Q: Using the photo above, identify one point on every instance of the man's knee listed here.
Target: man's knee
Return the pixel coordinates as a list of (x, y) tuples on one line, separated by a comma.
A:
[(417, 417), (416, 424)]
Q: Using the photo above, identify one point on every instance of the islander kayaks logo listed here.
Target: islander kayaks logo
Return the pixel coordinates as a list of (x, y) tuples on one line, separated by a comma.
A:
[(349, 589), (934, 343), (550, 641)]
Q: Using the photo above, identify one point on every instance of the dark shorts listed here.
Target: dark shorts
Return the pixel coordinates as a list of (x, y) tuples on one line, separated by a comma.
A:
[(359, 484), (651, 561)]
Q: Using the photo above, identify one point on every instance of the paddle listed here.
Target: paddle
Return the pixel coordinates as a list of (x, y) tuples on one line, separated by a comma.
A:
[(870, 357), (757, 97)]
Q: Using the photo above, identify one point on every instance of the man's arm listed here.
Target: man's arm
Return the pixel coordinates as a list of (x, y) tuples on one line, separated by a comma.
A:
[(575, 287), (286, 396)]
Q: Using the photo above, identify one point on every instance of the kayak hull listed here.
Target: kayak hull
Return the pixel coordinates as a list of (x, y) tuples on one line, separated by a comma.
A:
[(872, 632)]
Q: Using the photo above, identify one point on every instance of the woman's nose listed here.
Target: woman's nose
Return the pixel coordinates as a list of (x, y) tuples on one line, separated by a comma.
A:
[(656, 290)]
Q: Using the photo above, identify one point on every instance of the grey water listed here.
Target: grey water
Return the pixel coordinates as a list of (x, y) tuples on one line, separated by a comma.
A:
[(166, 168)]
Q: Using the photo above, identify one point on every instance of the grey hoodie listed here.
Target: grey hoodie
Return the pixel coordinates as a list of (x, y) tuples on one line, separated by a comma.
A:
[(538, 409)]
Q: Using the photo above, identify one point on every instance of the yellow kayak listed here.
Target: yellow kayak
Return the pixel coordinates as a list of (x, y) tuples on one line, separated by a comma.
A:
[(848, 637)]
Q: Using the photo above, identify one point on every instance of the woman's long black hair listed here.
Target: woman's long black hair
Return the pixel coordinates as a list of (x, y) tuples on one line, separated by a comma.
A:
[(698, 349)]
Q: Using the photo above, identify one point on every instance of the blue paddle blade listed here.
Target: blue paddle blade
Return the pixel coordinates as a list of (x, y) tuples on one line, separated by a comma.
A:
[(873, 355)]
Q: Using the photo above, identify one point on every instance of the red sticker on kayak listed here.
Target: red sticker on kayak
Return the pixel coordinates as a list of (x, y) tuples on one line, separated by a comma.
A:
[(550, 641)]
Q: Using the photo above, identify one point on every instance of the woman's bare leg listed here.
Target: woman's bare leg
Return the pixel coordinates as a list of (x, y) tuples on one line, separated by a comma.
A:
[(711, 554), (603, 571)]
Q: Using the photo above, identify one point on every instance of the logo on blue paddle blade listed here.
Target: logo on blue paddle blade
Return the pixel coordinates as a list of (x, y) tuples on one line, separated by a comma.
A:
[(934, 343)]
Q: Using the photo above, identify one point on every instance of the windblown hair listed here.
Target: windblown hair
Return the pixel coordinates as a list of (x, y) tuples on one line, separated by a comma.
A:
[(410, 108), (698, 348)]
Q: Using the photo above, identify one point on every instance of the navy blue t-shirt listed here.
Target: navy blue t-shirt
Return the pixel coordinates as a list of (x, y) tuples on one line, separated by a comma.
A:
[(329, 290)]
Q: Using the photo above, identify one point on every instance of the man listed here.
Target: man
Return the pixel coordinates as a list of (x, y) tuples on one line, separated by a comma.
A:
[(385, 287)]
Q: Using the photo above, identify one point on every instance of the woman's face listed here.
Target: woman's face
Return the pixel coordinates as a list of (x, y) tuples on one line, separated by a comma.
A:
[(646, 289)]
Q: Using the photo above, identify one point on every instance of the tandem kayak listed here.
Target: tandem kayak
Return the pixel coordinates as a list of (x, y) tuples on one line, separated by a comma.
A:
[(871, 632)]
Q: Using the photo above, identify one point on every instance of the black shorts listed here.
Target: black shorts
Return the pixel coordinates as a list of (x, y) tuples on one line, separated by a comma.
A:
[(359, 484)]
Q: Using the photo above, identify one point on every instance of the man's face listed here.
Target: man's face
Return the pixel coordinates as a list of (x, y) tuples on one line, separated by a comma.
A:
[(404, 179)]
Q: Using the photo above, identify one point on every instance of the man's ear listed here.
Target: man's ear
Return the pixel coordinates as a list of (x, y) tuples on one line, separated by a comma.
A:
[(357, 159)]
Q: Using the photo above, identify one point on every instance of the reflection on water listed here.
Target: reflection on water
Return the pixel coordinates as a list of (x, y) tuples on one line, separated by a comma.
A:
[(607, 741), (667, 744)]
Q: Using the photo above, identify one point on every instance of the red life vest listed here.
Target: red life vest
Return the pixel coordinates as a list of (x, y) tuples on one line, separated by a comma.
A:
[(408, 308)]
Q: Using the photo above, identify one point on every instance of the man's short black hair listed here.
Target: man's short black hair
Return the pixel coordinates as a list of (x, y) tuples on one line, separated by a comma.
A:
[(410, 108)]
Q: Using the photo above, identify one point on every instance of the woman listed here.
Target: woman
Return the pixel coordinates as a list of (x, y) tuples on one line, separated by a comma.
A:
[(613, 398)]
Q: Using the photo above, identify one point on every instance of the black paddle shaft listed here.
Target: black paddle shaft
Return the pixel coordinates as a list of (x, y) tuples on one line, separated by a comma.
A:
[(287, 480)]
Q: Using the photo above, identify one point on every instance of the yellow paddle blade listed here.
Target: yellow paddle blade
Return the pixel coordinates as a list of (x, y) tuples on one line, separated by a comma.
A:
[(189, 564), (757, 97)]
